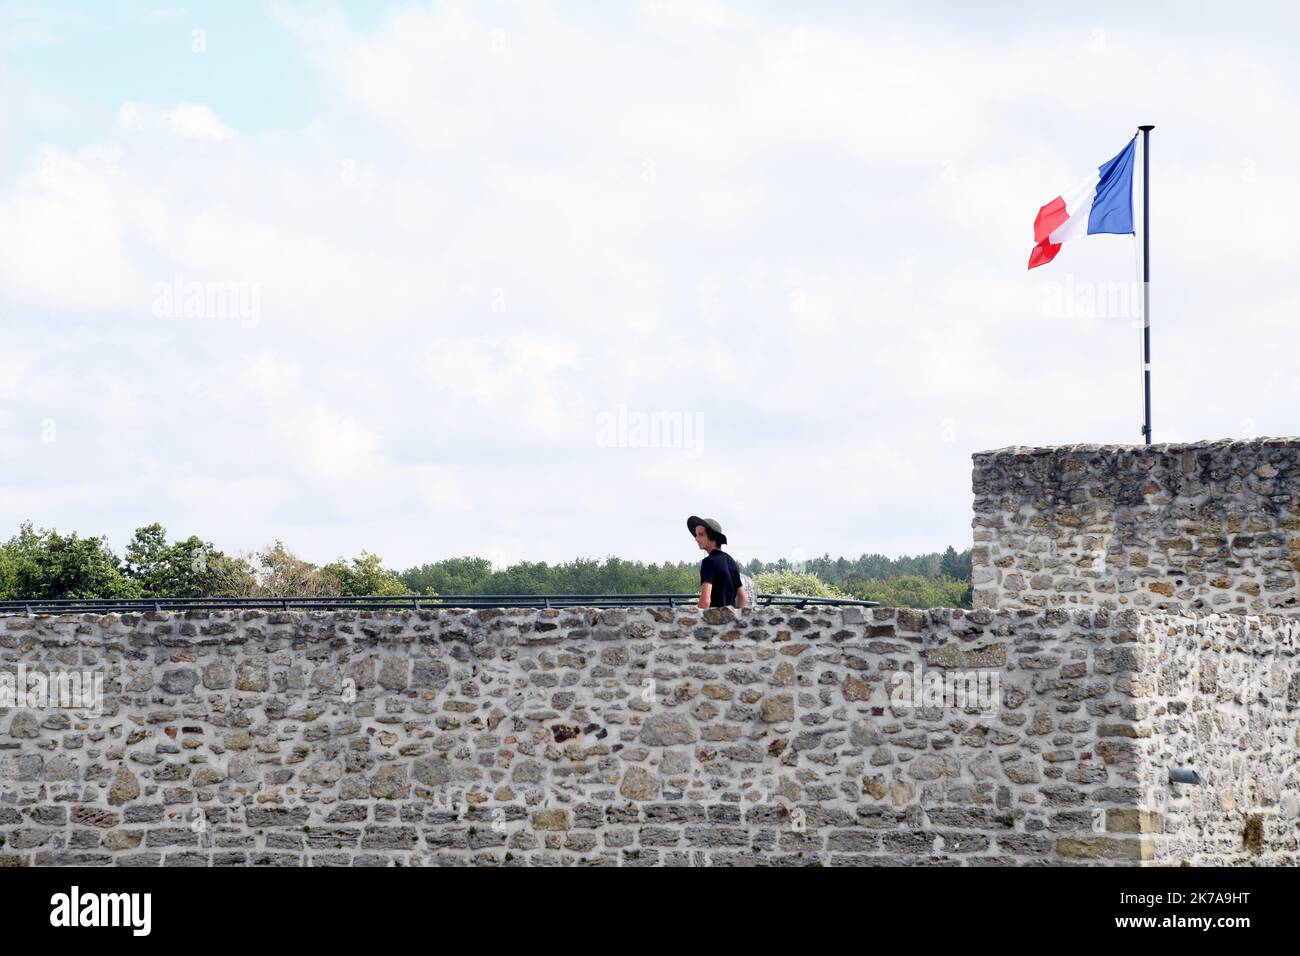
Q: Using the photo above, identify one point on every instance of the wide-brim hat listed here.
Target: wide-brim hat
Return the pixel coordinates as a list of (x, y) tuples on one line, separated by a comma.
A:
[(694, 521)]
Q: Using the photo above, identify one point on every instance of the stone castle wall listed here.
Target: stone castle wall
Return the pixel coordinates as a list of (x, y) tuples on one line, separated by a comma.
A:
[(1224, 701), (1208, 526), (1135, 612), (638, 737)]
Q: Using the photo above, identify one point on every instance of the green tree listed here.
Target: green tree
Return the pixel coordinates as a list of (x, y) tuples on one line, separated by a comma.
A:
[(955, 565), (281, 573), (183, 569), (796, 583), (452, 576), (275, 571), (913, 590), (470, 575), (233, 576), (47, 565), (877, 567), (8, 574), (364, 576)]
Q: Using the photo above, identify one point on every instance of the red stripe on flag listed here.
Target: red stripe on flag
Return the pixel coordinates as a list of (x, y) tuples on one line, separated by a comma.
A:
[(1049, 218), (1043, 253)]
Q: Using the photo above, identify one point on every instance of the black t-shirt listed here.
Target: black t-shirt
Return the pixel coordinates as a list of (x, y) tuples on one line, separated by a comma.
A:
[(720, 570)]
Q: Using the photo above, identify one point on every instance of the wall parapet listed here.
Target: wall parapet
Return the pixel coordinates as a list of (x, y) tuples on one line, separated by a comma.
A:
[(1199, 526)]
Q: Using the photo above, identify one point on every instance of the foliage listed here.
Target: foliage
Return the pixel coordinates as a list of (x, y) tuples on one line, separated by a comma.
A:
[(955, 566), (469, 575), (452, 576), (182, 569), (8, 574), (366, 575), (874, 567), (46, 564), (793, 582), (912, 590), (233, 576), (280, 573)]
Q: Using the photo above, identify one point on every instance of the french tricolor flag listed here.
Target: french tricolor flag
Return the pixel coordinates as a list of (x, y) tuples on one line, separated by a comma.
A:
[(1101, 203)]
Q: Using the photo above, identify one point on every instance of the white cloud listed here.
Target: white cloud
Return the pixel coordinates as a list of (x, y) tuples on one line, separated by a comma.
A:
[(62, 239), (162, 14), (197, 121), (809, 232), (520, 390), (26, 25)]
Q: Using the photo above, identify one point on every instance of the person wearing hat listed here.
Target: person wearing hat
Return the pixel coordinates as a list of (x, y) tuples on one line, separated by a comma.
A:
[(720, 582)]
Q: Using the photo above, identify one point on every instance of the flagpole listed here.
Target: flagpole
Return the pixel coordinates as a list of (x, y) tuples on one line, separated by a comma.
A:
[(1146, 280)]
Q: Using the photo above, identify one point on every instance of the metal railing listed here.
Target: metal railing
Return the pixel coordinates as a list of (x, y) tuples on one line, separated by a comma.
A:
[(388, 603)]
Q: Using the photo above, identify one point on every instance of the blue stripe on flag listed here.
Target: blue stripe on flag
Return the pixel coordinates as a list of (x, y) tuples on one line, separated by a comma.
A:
[(1112, 209)]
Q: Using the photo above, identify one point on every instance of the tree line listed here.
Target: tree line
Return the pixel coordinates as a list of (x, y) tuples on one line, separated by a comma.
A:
[(44, 564)]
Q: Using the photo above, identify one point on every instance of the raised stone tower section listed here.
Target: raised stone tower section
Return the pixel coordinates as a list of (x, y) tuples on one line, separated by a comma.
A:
[(1211, 526)]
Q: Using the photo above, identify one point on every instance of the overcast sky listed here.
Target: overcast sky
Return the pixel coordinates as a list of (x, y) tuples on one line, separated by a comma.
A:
[(470, 249)]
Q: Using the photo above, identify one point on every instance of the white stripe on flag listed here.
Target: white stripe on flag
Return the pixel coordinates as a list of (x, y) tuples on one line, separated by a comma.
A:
[(1078, 203)]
